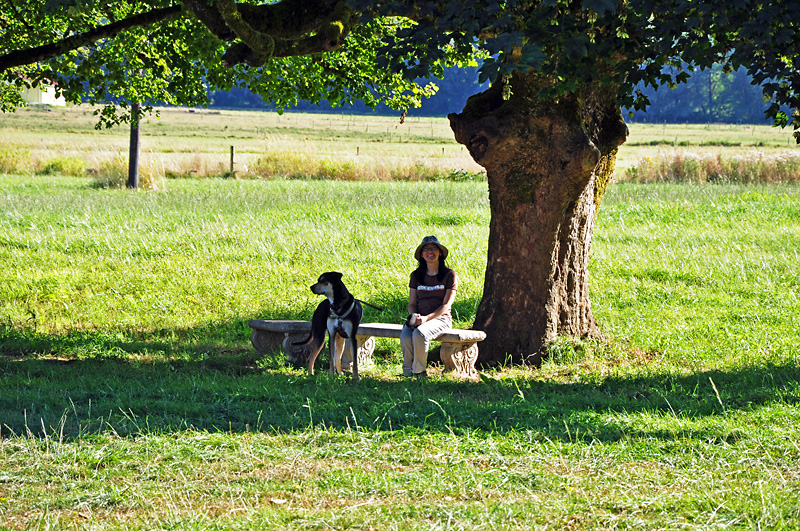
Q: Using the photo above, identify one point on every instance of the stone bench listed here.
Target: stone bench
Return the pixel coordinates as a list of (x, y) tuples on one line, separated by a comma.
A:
[(459, 347)]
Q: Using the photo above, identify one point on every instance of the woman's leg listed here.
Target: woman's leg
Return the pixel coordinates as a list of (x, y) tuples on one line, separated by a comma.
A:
[(421, 338), (407, 346)]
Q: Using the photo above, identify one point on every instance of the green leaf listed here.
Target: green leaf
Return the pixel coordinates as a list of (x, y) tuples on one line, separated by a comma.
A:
[(600, 7), (576, 48)]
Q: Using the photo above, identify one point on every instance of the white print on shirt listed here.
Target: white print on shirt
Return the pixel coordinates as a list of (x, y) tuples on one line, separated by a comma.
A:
[(430, 288)]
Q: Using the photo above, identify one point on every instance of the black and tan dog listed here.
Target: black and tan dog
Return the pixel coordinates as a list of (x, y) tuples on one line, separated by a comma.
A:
[(340, 314)]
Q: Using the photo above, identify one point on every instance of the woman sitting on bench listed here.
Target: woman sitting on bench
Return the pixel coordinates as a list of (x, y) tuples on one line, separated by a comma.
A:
[(432, 289)]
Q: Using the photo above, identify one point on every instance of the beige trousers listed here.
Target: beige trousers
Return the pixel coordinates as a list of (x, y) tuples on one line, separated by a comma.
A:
[(415, 341)]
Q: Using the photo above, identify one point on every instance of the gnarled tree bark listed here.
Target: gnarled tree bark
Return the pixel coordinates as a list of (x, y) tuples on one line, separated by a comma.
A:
[(548, 163)]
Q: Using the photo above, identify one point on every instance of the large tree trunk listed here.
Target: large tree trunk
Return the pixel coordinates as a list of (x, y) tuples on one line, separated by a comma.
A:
[(548, 163)]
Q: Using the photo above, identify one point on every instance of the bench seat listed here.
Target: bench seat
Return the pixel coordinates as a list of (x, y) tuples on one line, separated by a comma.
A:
[(459, 350)]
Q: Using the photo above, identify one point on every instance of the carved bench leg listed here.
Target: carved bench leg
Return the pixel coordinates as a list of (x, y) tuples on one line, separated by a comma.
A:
[(366, 346), (461, 358), (296, 356), (266, 343)]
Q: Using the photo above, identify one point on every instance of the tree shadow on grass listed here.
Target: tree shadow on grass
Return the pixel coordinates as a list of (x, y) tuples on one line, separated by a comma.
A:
[(127, 395), (212, 342), (209, 378)]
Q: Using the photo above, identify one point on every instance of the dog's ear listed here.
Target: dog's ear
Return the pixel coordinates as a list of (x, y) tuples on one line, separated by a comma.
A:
[(335, 275)]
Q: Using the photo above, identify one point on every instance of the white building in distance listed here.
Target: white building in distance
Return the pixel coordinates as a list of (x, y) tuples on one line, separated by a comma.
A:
[(42, 95)]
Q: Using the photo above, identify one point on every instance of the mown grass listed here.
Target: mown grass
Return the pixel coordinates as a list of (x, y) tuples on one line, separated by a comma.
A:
[(130, 397)]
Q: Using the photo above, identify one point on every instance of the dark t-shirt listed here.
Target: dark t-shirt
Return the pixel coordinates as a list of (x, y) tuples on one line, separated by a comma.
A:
[(430, 294)]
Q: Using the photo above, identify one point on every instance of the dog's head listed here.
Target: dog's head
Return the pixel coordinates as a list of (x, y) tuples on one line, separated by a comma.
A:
[(326, 282)]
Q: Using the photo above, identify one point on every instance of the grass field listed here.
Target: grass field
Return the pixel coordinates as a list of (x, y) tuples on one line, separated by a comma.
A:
[(186, 142), (130, 397)]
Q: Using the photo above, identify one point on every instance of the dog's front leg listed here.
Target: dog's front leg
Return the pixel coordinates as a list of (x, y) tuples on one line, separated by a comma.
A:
[(337, 351), (350, 329), (354, 354)]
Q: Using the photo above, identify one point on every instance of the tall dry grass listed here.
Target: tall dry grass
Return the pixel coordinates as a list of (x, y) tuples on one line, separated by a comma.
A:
[(109, 169), (16, 160), (298, 164), (753, 167), (113, 173)]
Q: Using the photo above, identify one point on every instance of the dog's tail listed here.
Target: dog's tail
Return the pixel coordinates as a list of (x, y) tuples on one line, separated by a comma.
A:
[(316, 346), (305, 342), (318, 323)]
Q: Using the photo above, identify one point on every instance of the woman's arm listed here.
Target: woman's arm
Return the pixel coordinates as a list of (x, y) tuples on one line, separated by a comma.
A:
[(412, 301)]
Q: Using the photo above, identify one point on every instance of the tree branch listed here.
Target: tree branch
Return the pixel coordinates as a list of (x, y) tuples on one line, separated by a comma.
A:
[(284, 29), (262, 44), (48, 51), (289, 28), (240, 52), (288, 19)]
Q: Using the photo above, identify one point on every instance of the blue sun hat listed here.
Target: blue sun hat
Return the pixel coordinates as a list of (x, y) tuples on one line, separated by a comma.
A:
[(425, 241)]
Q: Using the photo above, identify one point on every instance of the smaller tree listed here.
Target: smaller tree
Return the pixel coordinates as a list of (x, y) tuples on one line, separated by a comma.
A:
[(133, 156)]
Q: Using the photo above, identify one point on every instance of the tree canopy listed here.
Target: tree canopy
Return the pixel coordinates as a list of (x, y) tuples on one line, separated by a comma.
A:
[(113, 51)]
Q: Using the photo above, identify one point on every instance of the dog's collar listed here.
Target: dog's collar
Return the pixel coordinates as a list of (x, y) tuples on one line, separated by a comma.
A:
[(345, 314)]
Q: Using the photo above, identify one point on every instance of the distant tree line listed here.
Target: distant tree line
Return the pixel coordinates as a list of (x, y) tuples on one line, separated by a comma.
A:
[(458, 85), (709, 96)]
